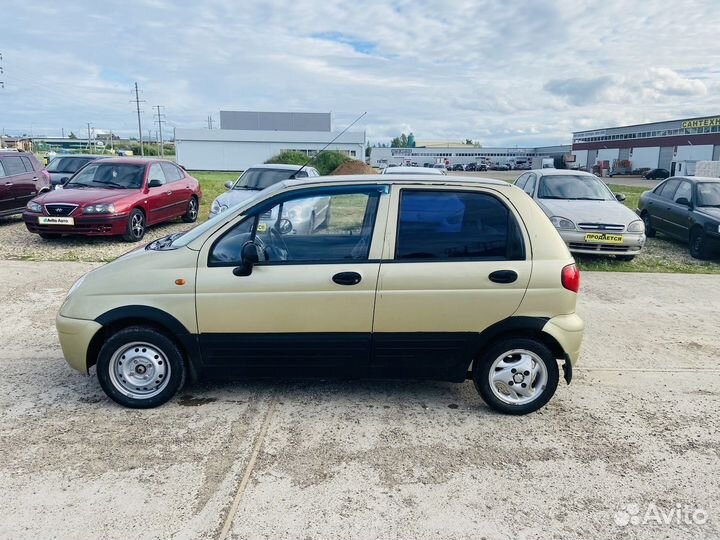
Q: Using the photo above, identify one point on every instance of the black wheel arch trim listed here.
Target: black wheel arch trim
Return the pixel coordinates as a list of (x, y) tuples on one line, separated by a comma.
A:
[(187, 339)]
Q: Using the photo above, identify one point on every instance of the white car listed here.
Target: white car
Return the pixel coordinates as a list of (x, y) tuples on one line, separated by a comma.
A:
[(590, 218), (411, 170)]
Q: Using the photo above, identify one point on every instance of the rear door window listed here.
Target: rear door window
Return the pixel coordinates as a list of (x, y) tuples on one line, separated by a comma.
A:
[(172, 173), (667, 190), (2, 170), (453, 225), (13, 165), (28, 164), (530, 186)]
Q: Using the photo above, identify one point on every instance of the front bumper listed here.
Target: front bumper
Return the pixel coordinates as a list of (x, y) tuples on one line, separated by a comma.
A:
[(98, 225), (75, 336), (631, 245)]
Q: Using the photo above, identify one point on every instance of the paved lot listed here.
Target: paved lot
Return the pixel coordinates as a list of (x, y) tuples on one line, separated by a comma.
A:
[(639, 425)]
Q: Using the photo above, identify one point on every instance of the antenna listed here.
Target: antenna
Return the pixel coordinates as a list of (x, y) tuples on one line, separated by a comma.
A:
[(294, 175)]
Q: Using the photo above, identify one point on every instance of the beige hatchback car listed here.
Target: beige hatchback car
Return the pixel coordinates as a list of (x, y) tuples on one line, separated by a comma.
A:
[(421, 277)]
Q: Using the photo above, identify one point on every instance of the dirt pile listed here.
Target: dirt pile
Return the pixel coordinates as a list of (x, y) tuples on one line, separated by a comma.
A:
[(353, 167)]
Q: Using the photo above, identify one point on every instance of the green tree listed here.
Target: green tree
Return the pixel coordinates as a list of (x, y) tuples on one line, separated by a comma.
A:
[(411, 141), (403, 141), (289, 158), (395, 143), (325, 162)]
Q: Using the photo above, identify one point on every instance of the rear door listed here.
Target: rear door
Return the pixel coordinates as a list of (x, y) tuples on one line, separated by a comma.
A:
[(7, 199), (456, 261), (179, 188), (28, 186), (18, 180), (661, 213)]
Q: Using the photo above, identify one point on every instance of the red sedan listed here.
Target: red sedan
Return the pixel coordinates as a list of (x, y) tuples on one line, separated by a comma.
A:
[(116, 197)]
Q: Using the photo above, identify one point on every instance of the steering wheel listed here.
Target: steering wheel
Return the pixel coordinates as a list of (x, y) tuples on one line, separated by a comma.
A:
[(278, 239)]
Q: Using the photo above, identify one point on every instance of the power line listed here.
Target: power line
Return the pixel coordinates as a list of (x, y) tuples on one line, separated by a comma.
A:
[(2, 84), (137, 107), (160, 120)]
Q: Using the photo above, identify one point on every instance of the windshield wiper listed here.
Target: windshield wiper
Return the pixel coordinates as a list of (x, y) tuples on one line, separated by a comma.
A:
[(589, 199), (113, 184), (249, 188), (75, 184)]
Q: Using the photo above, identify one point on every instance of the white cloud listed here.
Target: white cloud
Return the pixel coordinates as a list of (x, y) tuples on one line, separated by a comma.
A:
[(500, 72)]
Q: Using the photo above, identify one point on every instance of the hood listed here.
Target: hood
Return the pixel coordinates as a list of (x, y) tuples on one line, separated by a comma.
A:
[(709, 211), (235, 196), (589, 211), (84, 196)]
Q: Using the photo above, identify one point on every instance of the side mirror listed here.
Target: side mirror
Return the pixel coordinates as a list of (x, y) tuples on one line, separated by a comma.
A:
[(155, 182), (285, 226), (683, 201), (620, 196), (249, 257), (229, 185)]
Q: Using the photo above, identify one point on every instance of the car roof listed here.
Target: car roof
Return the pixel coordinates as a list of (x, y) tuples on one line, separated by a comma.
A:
[(568, 172), (695, 178), (406, 170), (80, 156), (132, 160), (409, 179), (281, 166)]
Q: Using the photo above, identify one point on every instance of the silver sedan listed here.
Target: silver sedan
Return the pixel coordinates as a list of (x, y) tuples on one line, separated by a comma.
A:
[(589, 217)]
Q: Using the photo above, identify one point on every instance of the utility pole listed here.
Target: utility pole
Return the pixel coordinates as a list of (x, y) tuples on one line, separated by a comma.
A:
[(90, 147), (2, 84), (159, 116), (210, 121), (137, 107)]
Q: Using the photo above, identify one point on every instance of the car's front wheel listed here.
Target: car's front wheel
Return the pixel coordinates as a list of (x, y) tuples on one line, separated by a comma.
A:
[(140, 368), (516, 376), (699, 248), (649, 230), (135, 226)]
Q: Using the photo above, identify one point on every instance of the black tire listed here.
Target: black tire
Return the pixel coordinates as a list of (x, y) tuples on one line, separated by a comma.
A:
[(135, 229), (625, 258), (649, 230), (49, 236), (193, 209), (481, 375), (140, 335), (699, 248)]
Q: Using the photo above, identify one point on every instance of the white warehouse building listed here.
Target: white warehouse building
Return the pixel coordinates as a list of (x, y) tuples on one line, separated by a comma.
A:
[(246, 138)]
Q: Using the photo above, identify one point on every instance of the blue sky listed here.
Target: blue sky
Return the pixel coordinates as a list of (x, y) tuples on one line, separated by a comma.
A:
[(501, 72)]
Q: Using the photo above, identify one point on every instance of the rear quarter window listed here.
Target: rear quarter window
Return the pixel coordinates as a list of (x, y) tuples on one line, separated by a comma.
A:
[(456, 225)]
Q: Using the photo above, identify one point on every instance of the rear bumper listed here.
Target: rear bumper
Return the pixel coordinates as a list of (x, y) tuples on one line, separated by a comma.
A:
[(75, 336), (631, 245), (568, 330), (84, 225)]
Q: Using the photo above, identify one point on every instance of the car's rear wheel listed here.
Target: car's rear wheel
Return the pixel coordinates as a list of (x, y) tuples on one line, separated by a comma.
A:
[(140, 368), (649, 230), (191, 214), (49, 236), (135, 226), (516, 376), (699, 248)]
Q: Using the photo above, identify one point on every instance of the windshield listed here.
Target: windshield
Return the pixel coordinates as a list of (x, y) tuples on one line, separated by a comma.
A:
[(708, 194), (67, 164), (580, 187), (185, 238), (261, 178), (109, 175)]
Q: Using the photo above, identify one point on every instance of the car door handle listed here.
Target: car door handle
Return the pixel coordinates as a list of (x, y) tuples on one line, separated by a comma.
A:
[(503, 276), (347, 278), (35, 177), (8, 183), (168, 193)]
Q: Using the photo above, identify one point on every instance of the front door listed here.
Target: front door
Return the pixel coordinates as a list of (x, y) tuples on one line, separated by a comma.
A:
[(455, 262), (26, 187), (307, 306), (679, 214)]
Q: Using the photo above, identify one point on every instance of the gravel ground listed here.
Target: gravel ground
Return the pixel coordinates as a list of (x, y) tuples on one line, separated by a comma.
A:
[(635, 434), (17, 243)]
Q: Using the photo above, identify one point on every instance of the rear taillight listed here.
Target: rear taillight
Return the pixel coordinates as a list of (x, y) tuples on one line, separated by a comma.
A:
[(570, 277)]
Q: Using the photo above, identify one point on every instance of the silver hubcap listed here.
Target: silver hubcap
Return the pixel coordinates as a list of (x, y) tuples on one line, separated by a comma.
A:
[(192, 210), (518, 377), (139, 370), (136, 225)]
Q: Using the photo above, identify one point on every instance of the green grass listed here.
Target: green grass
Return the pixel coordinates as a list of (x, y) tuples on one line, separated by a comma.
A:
[(213, 184)]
